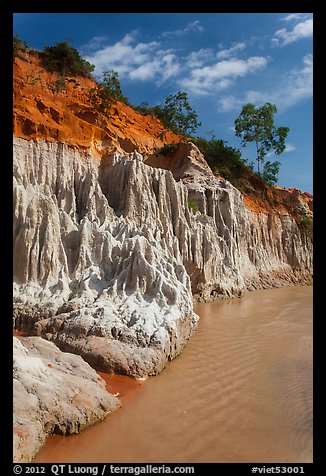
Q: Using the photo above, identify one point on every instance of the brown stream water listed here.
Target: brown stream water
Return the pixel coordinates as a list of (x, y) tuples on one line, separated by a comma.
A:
[(241, 391)]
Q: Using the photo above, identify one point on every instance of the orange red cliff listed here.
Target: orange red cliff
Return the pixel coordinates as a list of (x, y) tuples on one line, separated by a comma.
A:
[(44, 111)]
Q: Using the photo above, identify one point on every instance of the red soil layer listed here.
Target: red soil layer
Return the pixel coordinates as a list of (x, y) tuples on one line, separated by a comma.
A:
[(43, 112)]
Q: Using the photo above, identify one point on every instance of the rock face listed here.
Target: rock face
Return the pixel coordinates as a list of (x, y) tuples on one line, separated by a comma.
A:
[(99, 282), (57, 109), (107, 253), (54, 392)]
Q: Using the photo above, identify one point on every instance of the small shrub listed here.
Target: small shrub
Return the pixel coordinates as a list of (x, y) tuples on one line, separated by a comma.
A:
[(19, 48), (305, 224), (193, 205), (17, 45), (59, 85), (107, 92), (270, 172), (222, 158), (65, 59), (143, 108), (169, 149)]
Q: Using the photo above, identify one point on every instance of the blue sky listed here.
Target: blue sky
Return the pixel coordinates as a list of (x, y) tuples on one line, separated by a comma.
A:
[(222, 60)]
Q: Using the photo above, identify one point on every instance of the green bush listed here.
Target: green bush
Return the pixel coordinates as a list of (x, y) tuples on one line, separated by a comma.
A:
[(270, 172), (305, 224), (193, 205), (222, 158), (176, 114), (107, 92), (59, 85), (19, 47), (65, 60), (144, 108), (169, 149)]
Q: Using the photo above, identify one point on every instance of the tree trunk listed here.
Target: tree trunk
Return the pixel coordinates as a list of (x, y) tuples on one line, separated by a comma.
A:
[(258, 159)]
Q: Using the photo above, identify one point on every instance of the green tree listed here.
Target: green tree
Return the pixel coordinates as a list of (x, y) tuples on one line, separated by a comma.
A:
[(257, 125), (270, 172), (221, 157), (65, 59), (107, 92), (176, 114), (179, 115)]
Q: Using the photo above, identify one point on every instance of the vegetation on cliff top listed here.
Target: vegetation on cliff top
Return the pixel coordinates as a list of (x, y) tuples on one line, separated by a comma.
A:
[(107, 92), (176, 114), (19, 48), (221, 157), (65, 59), (253, 124)]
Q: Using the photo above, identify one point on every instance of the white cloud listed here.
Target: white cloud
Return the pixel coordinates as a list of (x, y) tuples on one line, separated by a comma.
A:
[(230, 51), (293, 16), (301, 30), (297, 85), (144, 72), (229, 103), (150, 62), (194, 26), (122, 56), (94, 44), (138, 61), (163, 66), (289, 148), (220, 75), (199, 73), (200, 57)]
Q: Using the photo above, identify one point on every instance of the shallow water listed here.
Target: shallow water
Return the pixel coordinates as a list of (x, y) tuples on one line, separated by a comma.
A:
[(241, 391)]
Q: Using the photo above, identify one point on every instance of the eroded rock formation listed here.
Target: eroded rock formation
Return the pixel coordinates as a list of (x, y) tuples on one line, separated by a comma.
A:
[(116, 291), (108, 253), (54, 392)]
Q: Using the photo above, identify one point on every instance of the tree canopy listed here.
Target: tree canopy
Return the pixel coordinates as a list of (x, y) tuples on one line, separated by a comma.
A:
[(257, 125), (176, 114), (65, 59), (179, 114), (107, 91)]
